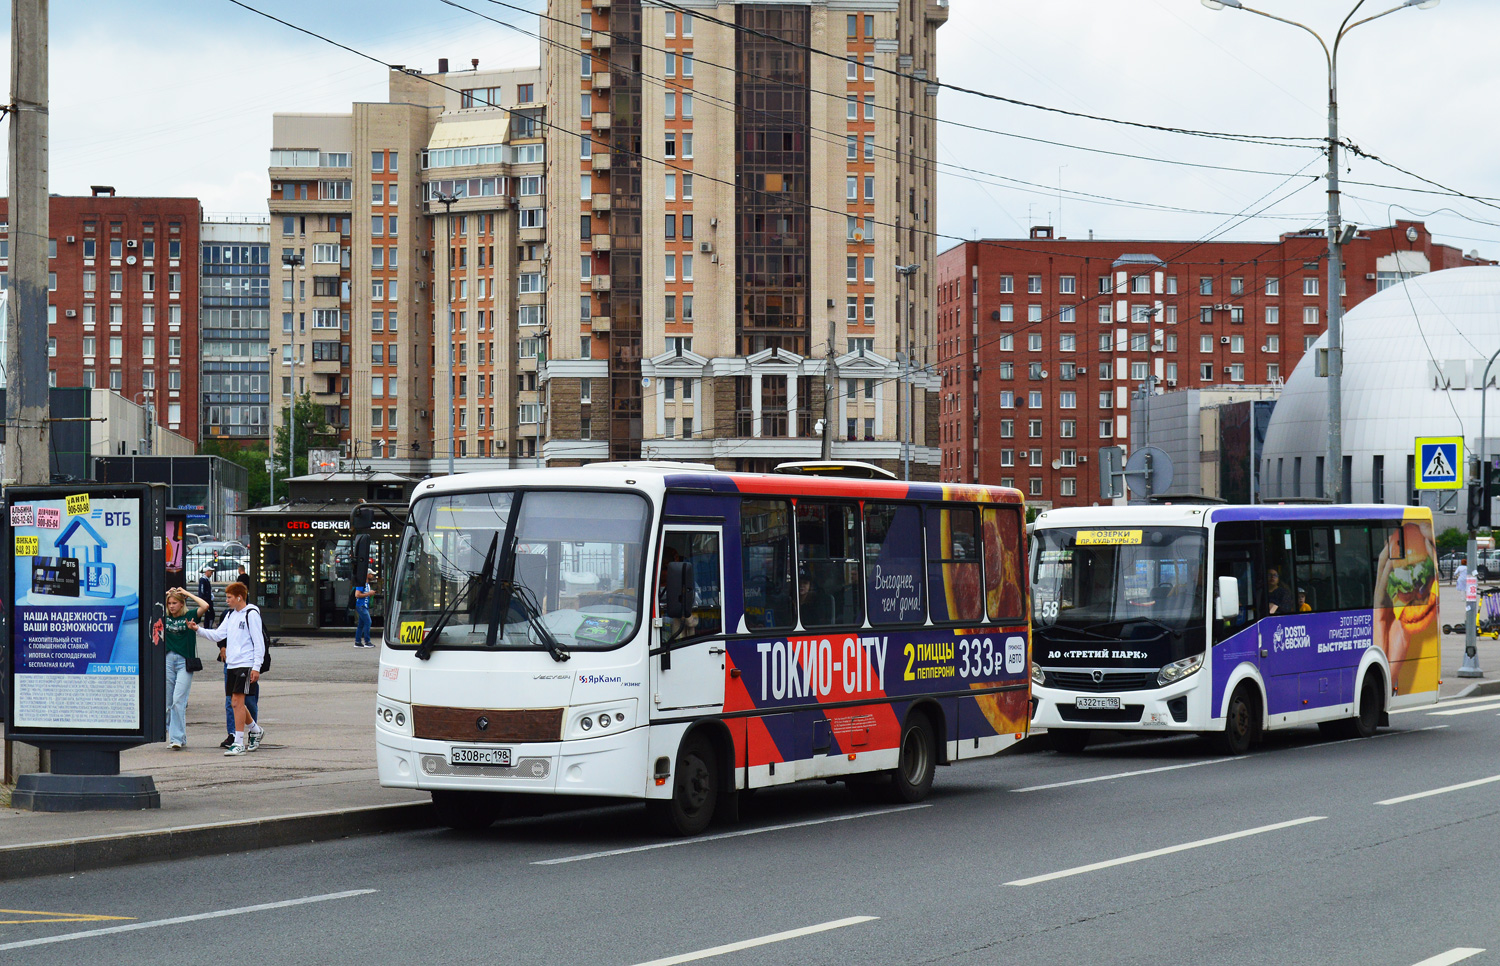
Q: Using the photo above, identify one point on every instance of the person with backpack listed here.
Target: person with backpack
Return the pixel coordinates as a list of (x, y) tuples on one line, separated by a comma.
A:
[(243, 650)]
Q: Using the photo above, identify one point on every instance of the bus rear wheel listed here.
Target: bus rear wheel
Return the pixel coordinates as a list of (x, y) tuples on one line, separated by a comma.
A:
[(1367, 719), (1241, 722), (695, 791), (466, 811), (917, 764)]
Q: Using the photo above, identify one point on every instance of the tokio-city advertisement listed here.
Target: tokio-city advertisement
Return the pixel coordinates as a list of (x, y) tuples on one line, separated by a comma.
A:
[(84, 585)]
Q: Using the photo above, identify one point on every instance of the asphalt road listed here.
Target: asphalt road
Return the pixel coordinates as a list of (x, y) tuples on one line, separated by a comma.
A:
[(1152, 852)]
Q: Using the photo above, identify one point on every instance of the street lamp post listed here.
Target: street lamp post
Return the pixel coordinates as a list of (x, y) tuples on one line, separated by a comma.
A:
[(1335, 460), (1471, 668), (447, 203), (908, 362)]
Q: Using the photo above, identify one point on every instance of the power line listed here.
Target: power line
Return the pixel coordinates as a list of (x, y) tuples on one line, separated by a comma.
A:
[(1262, 139), (839, 139)]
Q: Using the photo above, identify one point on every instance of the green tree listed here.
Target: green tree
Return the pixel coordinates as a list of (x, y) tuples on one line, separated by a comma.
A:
[(1451, 539), (252, 458), (312, 431)]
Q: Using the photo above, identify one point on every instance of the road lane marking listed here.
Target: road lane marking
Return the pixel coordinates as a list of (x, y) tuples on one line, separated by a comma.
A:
[(1440, 791), (1455, 702), (1472, 710), (723, 835), (775, 937), (51, 917), (1452, 956), (177, 920), (1169, 850), (1122, 774)]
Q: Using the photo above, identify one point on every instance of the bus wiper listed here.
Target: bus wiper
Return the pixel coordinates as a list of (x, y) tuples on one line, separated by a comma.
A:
[(521, 596), (430, 639)]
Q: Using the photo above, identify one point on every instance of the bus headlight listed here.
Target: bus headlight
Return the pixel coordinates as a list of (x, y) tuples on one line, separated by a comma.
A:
[(1038, 676), (611, 717), (393, 716), (1178, 670)]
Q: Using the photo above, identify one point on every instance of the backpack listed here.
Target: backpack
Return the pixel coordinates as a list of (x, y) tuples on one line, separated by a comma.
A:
[(265, 664)]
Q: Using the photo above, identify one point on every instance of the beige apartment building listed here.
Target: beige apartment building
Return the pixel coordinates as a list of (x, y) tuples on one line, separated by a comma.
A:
[(747, 178), (397, 224)]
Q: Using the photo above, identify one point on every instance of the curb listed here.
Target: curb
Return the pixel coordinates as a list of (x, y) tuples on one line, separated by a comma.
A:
[(197, 841), (1479, 688)]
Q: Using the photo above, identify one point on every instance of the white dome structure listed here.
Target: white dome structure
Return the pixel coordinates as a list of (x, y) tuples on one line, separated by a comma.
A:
[(1414, 356)]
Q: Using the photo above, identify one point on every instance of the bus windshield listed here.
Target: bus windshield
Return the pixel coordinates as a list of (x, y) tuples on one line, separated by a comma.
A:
[(1142, 585), (524, 569)]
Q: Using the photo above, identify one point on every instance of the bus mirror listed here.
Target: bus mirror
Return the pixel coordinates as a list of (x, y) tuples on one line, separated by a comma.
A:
[(679, 581), (360, 560), (1228, 604), (362, 519)]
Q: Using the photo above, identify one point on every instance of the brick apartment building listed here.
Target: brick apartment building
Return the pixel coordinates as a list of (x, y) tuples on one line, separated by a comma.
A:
[(122, 309), (1043, 340)]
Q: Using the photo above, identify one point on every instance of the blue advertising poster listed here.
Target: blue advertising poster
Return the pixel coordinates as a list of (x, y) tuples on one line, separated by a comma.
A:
[(77, 612)]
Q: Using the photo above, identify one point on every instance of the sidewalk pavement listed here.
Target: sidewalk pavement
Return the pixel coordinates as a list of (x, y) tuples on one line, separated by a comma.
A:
[(314, 777)]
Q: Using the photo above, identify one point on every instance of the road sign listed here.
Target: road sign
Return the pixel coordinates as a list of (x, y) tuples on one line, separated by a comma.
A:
[(1440, 461), (1148, 472)]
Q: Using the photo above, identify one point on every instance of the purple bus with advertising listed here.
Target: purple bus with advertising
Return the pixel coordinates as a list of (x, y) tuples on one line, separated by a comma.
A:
[(1230, 620)]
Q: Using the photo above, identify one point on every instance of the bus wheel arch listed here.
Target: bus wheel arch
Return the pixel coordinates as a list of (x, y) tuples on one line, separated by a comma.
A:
[(1369, 706), (1244, 718), (701, 780)]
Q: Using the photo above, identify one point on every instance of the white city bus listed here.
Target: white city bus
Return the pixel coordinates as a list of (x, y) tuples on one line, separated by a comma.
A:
[(1229, 620), (671, 633)]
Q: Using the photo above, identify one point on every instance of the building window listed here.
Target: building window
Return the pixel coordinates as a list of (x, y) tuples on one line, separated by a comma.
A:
[(1236, 343), (1273, 286), (1236, 286), (1205, 343), (1237, 372), (1034, 428), (1205, 285), (1140, 284), (1067, 284), (1106, 428), (1206, 372), (1309, 315), (1310, 285), (1067, 400), (1035, 486), (1007, 284), (1273, 315), (1034, 284)]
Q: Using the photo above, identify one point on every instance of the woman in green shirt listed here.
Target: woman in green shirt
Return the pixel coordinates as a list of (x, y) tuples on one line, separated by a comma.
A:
[(182, 647)]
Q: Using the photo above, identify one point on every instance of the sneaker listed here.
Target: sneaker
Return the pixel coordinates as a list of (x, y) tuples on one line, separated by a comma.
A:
[(176, 746), (227, 742), (254, 739), (235, 750)]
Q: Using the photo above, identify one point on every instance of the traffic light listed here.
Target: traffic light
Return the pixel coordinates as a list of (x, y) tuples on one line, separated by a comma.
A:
[(1479, 506)]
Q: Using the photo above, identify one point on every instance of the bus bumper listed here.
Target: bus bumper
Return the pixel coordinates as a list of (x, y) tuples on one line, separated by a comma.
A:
[(609, 765), (1171, 708)]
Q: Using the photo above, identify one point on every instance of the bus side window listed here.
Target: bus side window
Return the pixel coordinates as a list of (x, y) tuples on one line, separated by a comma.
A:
[(1280, 600), (766, 564), (1004, 564), (1237, 562), (955, 584), (1354, 560), (829, 583), (893, 563), (1313, 589)]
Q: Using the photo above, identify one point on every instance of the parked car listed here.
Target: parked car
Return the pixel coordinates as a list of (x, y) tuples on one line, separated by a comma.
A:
[(201, 531)]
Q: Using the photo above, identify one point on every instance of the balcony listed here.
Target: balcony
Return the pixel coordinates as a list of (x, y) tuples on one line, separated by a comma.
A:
[(600, 242), (531, 234), (601, 120), (601, 160), (526, 364), (600, 283), (324, 398), (601, 202), (602, 80), (599, 323), (602, 40), (326, 367)]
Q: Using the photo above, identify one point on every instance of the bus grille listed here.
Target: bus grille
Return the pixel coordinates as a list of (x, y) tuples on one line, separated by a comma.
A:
[(463, 724), (1129, 714), (1113, 680)]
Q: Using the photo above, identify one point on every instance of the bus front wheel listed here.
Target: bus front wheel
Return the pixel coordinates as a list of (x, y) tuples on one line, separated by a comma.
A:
[(1241, 721), (912, 779), (695, 791), (465, 811)]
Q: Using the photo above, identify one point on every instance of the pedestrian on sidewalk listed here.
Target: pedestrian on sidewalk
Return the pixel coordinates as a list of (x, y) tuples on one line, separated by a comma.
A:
[(244, 578), (182, 662), (243, 651), (1460, 574), (206, 591), (362, 595)]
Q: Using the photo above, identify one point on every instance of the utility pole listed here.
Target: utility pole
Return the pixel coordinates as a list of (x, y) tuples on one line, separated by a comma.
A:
[(26, 404), (830, 385), (908, 363), (443, 283)]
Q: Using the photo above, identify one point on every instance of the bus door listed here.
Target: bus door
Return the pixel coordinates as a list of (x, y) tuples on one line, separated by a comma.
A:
[(1236, 638), (687, 669)]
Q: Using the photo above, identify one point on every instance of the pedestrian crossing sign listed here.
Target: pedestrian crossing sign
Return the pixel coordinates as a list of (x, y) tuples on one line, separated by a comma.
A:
[(1440, 461)]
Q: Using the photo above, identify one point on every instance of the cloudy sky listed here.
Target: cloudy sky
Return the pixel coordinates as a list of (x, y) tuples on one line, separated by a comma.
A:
[(173, 98)]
